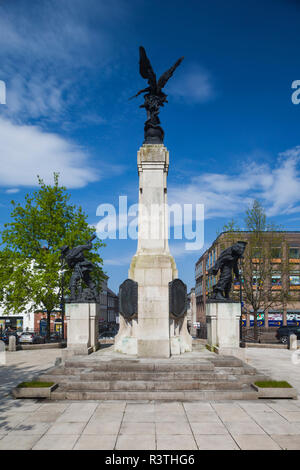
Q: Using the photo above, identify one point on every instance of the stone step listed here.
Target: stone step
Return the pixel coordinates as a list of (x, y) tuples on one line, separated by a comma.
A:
[(154, 376), (181, 395), (136, 376), (249, 379), (141, 366), (89, 374), (226, 361), (138, 385)]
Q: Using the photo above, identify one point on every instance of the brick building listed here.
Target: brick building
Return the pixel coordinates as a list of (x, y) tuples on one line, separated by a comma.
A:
[(273, 317)]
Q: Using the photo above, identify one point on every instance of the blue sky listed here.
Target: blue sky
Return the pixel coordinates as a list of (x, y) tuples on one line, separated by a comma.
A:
[(231, 127)]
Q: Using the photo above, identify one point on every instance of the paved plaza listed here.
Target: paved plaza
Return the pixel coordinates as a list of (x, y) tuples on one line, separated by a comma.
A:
[(108, 425)]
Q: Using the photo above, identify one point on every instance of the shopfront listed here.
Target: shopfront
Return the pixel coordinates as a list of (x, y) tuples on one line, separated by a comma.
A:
[(12, 322)]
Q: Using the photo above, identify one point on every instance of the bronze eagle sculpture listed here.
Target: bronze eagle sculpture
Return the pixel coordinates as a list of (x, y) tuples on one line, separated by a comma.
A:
[(154, 97)]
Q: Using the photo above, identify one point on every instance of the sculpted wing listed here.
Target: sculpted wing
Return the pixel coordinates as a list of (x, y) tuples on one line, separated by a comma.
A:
[(168, 74), (146, 69)]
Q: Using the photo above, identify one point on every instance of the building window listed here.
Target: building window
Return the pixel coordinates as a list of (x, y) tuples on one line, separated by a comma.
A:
[(295, 278), (294, 253), (256, 252), (276, 279), (276, 252)]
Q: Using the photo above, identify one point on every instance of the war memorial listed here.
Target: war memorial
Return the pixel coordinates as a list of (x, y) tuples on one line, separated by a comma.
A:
[(153, 357)]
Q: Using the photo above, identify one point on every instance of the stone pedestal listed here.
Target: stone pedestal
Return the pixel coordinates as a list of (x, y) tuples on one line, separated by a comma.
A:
[(223, 327), (153, 267), (82, 328), (293, 342)]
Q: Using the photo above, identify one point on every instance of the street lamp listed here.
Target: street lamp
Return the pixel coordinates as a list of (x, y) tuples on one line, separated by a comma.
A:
[(62, 299), (241, 301)]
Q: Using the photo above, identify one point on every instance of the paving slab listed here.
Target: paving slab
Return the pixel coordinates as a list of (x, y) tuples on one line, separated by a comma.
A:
[(173, 429), (135, 442), (54, 407), (208, 428), (197, 406), (66, 428), (238, 428), (42, 417), (27, 427), (56, 442), (256, 442), (287, 442), (138, 428), (18, 441), (215, 442), (203, 417), (97, 427), (176, 442), (92, 442), (291, 416)]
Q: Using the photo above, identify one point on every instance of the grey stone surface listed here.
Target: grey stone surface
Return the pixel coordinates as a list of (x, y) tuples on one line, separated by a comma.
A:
[(108, 425)]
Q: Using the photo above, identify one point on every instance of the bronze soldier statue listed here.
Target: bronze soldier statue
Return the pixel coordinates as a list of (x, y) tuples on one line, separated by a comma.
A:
[(82, 269), (226, 263)]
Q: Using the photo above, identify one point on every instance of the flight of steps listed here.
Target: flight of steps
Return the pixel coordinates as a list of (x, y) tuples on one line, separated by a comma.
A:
[(216, 378)]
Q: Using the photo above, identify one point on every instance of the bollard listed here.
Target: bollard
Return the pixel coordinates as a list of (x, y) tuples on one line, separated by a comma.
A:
[(292, 342), (12, 343)]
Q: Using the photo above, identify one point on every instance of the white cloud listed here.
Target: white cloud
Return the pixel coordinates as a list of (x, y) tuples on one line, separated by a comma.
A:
[(12, 191), (47, 49), (120, 261), (193, 84), (27, 151), (225, 195)]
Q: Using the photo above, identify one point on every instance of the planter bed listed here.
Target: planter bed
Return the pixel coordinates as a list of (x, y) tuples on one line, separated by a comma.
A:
[(275, 389), (34, 389)]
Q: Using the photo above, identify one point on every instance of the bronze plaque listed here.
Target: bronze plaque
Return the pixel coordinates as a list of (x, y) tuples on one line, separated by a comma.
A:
[(128, 299), (177, 298)]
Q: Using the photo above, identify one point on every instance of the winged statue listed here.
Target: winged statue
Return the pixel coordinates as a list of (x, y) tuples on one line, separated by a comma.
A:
[(154, 97)]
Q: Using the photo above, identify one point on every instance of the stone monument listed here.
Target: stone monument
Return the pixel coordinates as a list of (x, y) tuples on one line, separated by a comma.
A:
[(82, 309), (150, 325), (222, 313)]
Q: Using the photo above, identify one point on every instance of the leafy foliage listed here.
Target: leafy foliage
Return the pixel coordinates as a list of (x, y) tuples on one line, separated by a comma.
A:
[(30, 265)]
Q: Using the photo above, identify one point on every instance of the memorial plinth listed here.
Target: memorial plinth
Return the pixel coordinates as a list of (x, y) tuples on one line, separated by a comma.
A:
[(83, 328), (223, 327), (153, 333)]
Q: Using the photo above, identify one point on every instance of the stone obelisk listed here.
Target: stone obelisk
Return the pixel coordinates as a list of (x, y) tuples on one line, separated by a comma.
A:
[(154, 331)]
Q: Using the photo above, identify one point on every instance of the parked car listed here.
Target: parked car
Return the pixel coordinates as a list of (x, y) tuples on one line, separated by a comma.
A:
[(55, 338), (283, 333), (107, 335), (31, 338)]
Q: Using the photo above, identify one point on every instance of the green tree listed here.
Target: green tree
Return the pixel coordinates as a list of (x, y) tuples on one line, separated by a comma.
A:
[(30, 265), (263, 259), (231, 226)]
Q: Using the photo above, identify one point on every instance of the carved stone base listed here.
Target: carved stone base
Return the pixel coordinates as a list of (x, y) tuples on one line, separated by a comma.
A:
[(82, 327), (223, 326)]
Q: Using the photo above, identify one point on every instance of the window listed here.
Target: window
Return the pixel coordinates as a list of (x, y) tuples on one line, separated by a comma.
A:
[(276, 279), (295, 278), (276, 252), (207, 262), (294, 252), (256, 252)]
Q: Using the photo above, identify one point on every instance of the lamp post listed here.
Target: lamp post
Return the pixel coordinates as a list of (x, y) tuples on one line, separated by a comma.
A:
[(62, 299), (241, 301)]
